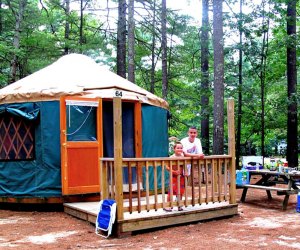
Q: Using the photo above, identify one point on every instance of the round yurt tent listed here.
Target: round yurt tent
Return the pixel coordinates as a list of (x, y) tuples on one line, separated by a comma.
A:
[(56, 123)]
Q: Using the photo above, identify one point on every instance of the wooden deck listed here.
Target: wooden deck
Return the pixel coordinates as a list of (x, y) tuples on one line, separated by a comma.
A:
[(210, 190), (136, 221)]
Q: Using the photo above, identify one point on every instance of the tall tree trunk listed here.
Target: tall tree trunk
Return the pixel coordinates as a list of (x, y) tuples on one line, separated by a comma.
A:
[(121, 39), (239, 116), (264, 50), (205, 78), (218, 136), (152, 83), (292, 120), (131, 25), (16, 41), (67, 27), (81, 26), (164, 49), (1, 25)]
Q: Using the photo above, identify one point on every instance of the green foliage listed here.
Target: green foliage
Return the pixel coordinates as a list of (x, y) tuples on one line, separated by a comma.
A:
[(43, 40)]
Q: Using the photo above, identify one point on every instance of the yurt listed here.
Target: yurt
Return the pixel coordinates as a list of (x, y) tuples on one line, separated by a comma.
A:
[(57, 123)]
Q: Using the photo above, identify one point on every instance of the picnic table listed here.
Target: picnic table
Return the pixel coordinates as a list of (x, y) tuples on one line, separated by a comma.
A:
[(283, 183)]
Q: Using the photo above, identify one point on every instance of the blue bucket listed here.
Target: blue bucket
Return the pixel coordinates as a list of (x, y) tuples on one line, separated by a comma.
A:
[(242, 177), (298, 203)]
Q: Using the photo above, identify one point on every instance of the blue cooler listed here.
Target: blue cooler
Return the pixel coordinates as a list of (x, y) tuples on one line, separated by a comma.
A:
[(298, 203), (239, 177), (242, 177)]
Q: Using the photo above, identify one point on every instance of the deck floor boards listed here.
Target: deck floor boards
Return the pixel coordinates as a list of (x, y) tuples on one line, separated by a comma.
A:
[(89, 210), (136, 221)]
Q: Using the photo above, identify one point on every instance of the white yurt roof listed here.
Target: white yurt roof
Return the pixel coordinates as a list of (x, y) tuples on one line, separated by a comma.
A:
[(75, 74)]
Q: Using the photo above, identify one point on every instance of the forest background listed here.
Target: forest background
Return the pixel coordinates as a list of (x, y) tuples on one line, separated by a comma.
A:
[(171, 54)]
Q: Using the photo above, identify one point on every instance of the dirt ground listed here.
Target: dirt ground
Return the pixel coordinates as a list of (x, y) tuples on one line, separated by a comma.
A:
[(260, 224)]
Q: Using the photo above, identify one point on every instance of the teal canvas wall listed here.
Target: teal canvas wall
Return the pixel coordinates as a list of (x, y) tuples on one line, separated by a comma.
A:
[(40, 177), (154, 131), (155, 140)]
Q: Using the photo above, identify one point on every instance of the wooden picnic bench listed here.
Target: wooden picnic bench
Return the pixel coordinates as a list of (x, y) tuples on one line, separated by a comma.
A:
[(268, 181)]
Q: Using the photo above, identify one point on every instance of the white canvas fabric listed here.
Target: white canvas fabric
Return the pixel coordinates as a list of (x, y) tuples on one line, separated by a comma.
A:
[(75, 74)]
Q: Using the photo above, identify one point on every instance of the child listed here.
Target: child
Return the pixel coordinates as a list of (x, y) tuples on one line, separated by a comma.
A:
[(177, 171)]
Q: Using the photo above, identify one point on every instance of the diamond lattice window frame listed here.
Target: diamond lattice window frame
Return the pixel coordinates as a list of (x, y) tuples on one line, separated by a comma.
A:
[(16, 138)]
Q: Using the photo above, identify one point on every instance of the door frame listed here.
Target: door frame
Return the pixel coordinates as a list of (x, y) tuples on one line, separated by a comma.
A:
[(66, 190), (65, 145)]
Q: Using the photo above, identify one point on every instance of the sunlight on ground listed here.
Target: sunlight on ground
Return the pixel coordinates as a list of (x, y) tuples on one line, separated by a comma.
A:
[(287, 237), (264, 223), (39, 240), (288, 244), (267, 223), (47, 238), (274, 222), (13, 221)]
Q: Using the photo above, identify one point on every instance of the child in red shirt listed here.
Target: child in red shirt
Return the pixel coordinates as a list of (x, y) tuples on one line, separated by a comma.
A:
[(177, 171)]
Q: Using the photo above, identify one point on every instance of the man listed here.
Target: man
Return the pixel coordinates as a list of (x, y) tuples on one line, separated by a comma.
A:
[(192, 147)]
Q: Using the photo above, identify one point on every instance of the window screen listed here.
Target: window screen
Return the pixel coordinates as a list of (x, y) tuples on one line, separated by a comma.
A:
[(81, 123)]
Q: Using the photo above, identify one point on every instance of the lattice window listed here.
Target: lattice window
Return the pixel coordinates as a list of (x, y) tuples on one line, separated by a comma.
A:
[(16, 138)]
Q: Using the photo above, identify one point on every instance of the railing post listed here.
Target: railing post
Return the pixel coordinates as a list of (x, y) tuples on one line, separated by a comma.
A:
[(103, 180), (231, 149), (117, 107)]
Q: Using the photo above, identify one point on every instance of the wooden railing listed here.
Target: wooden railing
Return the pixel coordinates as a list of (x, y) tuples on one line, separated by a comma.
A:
[(149, 181), (147, 190)]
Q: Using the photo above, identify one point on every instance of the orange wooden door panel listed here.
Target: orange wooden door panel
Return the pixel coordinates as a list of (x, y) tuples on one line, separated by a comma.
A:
[(80, 159), (83, 167)]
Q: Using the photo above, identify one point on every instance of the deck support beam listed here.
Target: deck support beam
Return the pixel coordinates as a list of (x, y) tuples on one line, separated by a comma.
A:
[(117, 106), (231, 149)]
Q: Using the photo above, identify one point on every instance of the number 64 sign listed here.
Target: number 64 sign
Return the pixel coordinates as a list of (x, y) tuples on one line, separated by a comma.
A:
[(118, 93)]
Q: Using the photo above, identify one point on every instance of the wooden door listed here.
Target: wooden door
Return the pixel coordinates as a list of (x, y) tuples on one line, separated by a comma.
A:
[(81, 144)]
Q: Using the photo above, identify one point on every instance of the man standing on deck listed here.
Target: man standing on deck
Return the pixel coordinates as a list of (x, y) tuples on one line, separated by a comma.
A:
[(192, 145)]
